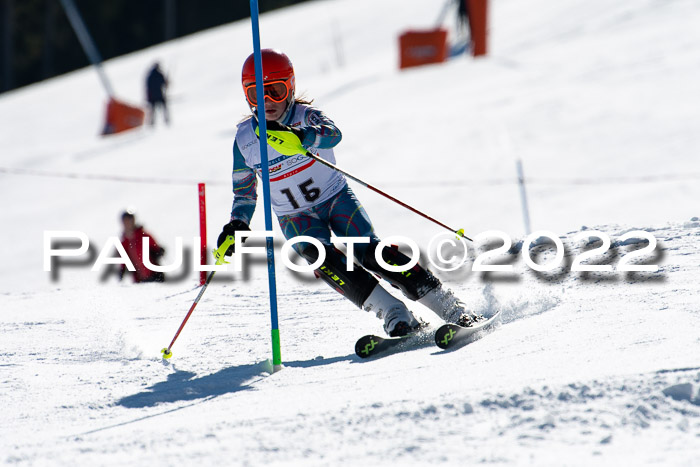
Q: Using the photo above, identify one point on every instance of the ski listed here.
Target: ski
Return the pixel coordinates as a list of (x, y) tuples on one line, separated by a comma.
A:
[(451, 335), (371, 345)]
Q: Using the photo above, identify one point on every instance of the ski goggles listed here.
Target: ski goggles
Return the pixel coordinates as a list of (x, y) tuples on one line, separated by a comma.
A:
[(276, 91)]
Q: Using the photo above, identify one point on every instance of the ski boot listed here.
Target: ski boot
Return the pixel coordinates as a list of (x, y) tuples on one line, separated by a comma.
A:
[(398, 320), (448, 307)]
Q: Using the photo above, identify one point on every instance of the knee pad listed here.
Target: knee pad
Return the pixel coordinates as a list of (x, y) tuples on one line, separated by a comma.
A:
[(356, 285), (414, 282)]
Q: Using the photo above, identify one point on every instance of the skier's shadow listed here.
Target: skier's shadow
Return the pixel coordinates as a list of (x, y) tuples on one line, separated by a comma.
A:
[(184, 386)]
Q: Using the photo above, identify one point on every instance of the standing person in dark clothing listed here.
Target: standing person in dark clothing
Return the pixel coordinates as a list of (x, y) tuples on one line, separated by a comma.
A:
[(463, 42), (156, 82), (463, 12), (132, 243)]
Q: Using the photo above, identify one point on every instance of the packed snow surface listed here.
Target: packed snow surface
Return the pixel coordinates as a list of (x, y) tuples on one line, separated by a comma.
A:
[(598, 100)]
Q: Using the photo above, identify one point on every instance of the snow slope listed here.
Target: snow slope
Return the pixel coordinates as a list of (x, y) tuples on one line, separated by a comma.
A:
[(598, 100)]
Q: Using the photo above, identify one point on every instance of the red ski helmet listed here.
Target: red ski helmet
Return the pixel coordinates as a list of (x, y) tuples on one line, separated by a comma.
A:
[(276, 68)]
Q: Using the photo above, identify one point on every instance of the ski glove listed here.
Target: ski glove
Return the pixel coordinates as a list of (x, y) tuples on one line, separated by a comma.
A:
[(286, 141), (276, 126), (230, 229)]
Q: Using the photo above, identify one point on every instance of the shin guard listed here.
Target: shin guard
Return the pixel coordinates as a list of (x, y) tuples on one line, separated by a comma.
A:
[(414, 283), (356, 285)]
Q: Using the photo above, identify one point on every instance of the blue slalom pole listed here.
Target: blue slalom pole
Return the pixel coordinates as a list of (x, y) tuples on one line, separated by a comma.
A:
[(262, 124)]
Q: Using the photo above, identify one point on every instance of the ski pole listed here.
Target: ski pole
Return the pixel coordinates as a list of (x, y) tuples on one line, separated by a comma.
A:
[(219, 254), (459, 233), (288, 144)]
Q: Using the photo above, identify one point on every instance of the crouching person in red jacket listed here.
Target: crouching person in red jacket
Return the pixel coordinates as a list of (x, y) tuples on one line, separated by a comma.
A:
[(132, 243)]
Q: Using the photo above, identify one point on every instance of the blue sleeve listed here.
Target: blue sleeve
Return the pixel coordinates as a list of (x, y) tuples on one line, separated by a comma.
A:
[(245, 193), (319, 131)]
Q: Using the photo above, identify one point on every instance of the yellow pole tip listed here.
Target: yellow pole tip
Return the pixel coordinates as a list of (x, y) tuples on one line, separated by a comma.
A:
[(166, 353)]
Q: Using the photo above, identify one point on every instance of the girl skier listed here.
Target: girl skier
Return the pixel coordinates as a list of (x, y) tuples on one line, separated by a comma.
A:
[(314, 200)]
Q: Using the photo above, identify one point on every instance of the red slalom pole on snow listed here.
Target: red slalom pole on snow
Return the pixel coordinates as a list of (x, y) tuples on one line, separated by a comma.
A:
[(202, 230)]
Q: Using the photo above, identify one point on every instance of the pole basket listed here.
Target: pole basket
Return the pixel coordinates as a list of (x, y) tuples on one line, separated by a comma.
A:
[(122, 117)]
